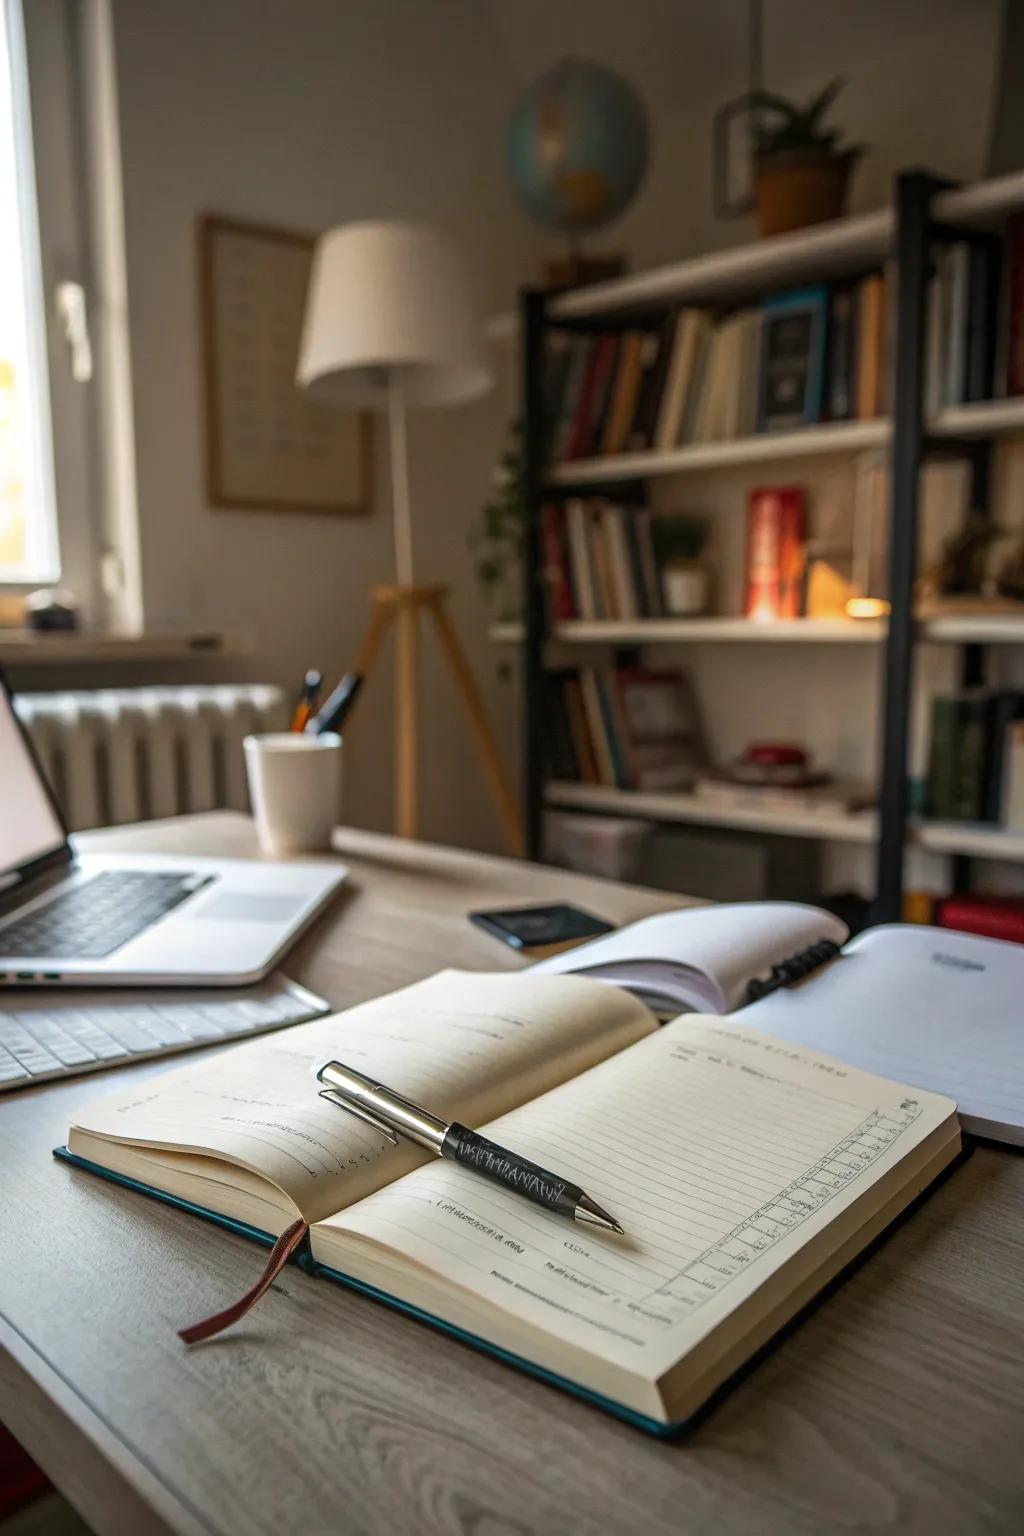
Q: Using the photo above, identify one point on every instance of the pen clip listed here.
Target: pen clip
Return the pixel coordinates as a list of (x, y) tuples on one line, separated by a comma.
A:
[(360, 1113)]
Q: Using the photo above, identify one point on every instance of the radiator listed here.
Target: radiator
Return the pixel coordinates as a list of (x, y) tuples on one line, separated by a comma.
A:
[(115, 755)]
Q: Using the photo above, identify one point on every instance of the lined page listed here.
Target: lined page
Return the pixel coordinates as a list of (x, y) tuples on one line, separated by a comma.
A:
[(720, 1151), (467, 1046)]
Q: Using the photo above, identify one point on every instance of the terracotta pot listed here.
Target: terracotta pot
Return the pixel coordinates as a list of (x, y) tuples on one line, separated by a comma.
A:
[(799, 188)]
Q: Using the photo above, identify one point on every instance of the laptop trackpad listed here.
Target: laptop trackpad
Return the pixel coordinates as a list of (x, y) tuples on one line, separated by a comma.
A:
[(241, 907)]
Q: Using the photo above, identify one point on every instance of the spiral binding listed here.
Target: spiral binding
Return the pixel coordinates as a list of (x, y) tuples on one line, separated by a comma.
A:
[(794, 969)]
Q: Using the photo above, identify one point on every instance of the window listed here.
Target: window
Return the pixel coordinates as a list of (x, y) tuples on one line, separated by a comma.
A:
[(28, 525)]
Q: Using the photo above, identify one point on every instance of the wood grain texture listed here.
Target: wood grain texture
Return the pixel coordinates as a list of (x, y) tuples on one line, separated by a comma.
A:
[(898, 1406)]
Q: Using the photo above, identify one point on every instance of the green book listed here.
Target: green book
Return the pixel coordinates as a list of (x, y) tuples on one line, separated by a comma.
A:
[(943, 759)]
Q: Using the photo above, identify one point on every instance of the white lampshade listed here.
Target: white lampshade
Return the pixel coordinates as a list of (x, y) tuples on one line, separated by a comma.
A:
[(387, 298)]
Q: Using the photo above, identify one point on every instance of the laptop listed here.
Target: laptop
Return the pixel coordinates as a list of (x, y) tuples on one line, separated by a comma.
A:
[(133, 919)]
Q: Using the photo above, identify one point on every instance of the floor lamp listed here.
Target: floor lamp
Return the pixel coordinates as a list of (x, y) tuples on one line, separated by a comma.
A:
[(389, 326)]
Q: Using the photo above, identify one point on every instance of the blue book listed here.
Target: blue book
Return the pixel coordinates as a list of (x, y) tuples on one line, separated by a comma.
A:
[(793, 348), (747, 1173)]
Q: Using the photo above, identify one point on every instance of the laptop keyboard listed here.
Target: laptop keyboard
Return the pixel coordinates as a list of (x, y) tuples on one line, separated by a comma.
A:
[(56, 1033), (94, 918)]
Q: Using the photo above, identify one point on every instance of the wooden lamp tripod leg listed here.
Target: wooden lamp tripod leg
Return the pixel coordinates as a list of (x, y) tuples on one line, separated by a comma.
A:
[(466, 686), (407, 720)]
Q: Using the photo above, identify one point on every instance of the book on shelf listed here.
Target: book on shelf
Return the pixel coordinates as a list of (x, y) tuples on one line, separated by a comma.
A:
[(871, 346), (552, 1063), (625, 387), (991, 917), (775, 553), (598, 561), (691, 338), (656, 359), (808, 355), (592, 400), (632, 728), (841, 354), (1014, 305), (976, 757), (793, 350)]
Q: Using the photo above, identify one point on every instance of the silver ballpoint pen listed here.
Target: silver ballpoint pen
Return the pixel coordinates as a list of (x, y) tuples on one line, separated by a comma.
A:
[(394, 1116)]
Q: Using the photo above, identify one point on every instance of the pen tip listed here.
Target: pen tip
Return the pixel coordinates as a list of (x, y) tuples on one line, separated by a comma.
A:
[(588, 1210)]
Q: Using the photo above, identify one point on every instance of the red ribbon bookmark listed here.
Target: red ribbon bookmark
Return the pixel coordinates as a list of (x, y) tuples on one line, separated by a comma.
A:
[(279, 1256)]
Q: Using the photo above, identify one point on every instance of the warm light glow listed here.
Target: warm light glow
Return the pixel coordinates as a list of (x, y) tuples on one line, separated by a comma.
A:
[(866, 608)]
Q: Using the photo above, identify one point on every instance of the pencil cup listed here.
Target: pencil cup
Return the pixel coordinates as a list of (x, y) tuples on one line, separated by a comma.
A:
[(294, 789)]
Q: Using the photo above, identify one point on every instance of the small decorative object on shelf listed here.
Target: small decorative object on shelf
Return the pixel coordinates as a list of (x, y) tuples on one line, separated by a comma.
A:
[(577, 149), (800, 170), (962, 570), (777, 775), (679, 543)]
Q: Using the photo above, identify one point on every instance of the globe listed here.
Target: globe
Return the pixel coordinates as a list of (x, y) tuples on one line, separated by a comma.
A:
[(576, 146)]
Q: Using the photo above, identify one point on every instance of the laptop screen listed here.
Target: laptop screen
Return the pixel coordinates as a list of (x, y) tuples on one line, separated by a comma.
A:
[(29, 826)]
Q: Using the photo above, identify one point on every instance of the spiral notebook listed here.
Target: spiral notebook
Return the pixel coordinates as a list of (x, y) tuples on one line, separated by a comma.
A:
[(708, 959)]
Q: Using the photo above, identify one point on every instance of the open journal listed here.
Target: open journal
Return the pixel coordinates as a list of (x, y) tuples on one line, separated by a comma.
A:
[(746, 1171)]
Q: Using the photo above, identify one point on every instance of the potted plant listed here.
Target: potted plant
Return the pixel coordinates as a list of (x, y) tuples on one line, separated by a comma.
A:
[(679, 543), (801, 169)]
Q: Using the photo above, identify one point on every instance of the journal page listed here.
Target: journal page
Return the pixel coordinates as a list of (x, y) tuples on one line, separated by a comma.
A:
[(720, 1151), (466, 1046)]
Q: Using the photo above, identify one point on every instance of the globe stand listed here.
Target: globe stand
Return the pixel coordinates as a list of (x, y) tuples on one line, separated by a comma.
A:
[(575, 269)]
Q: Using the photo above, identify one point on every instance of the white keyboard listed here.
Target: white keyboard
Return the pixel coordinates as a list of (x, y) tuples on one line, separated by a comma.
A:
[(55, 1034)]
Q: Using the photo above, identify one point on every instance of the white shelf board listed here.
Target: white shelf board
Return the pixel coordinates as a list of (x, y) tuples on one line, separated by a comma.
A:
[(987, 418), (981, 202), (942, 837), (759, 448), (706, 631), (827, 250), (950, 629), (975, 628), (976, 839), (853, 827)]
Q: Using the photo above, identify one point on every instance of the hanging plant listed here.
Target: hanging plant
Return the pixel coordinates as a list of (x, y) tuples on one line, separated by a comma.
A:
[(496, 539)]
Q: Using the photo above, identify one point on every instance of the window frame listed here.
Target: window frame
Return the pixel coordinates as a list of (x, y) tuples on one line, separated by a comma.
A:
[(53, 99)]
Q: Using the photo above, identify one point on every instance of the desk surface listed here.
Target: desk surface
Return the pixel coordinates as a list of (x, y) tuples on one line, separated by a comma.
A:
[(899, 1404)]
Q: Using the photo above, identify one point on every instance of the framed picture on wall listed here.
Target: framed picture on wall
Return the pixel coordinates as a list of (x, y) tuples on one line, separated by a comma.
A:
[(268, 445)]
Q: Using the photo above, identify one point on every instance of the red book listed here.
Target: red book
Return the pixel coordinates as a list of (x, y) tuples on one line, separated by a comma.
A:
[(593, 391), (993, 917), (556, 565), (775, 552), (1015, 315)]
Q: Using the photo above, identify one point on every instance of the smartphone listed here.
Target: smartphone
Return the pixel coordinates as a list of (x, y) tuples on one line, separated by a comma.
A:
[(541, 930)]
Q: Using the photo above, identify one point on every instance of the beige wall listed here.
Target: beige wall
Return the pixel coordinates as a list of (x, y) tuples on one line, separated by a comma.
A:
[(311, 112), (308, 113)]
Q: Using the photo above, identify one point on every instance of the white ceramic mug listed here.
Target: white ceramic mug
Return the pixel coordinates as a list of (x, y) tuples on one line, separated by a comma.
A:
[(294, 789)]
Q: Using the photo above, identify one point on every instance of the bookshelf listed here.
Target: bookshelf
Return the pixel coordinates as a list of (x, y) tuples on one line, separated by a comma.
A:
[(924, 215)]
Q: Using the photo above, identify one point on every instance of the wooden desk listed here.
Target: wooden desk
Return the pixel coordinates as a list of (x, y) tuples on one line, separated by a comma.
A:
[(898, 1405)]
